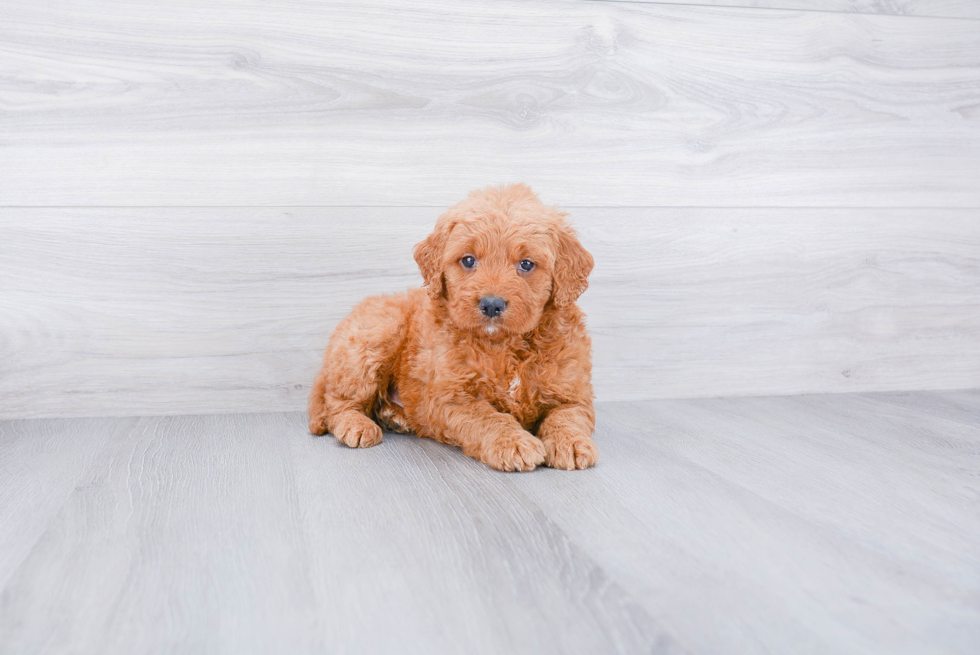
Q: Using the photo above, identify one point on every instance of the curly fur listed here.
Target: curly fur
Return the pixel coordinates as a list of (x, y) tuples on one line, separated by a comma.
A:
[(513, 391)]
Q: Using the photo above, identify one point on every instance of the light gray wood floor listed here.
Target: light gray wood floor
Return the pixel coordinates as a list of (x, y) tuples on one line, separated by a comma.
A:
[(839, 524)]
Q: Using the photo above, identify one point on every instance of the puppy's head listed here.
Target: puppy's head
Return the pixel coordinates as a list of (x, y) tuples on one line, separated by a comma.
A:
[(499, 258)]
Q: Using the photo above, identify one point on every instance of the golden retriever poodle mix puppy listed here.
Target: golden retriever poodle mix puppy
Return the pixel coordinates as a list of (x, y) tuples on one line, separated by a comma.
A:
[(492, 355)]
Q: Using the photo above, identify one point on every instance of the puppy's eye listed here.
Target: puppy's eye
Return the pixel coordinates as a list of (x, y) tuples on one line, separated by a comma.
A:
[(526, 265), (468, 261)]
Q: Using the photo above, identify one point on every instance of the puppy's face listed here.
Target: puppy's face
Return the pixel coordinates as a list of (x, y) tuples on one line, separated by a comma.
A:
[(499, 257), (497, 276)]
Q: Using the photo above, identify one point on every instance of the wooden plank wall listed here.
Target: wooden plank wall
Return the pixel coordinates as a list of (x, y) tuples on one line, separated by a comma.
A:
[(937, 8), (192, 194)]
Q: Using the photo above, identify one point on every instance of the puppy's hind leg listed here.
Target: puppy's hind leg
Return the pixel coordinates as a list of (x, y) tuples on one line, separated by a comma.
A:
[(357, 362), (318, 404)]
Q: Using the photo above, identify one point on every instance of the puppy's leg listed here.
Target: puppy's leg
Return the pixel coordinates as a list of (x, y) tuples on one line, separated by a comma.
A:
[(355, 429), (318, 404), (567, 437), (493, 437), (358, 360)]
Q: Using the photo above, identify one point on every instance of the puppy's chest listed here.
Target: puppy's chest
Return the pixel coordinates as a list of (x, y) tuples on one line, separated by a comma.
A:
[(510, 383)]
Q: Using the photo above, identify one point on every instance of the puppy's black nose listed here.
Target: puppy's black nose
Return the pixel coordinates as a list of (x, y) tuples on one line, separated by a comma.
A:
[(492, 306)]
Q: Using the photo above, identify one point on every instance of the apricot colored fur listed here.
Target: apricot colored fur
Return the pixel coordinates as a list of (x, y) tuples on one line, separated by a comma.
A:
[(513, 391)]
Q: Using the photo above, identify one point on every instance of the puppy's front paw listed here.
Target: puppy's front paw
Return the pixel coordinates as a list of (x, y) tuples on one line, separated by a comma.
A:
[(356, 430), (518, 451), (570, 452)]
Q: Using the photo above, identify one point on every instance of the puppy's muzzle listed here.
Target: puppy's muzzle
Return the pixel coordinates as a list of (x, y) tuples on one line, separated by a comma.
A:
[(492, 306)]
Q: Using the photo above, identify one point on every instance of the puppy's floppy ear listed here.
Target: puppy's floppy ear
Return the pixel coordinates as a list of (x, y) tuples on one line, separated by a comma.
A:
[(428, 255), (573, 263)]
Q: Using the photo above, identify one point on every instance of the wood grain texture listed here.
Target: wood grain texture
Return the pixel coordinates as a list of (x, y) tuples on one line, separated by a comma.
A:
[(41, 464), (451, 558), (169, 311), (936, 8), (372, 103), (243, 534), (786, 521), (845, 523), (182, 536)]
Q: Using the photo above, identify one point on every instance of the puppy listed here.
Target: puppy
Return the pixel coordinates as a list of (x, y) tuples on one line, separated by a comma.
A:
[(492, 355)]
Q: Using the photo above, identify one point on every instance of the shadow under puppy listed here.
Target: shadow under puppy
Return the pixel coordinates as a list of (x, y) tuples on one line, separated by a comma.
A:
[(492, 355)]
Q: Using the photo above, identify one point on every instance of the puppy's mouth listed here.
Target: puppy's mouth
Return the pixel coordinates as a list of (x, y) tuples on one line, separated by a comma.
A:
[(498, 326)]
